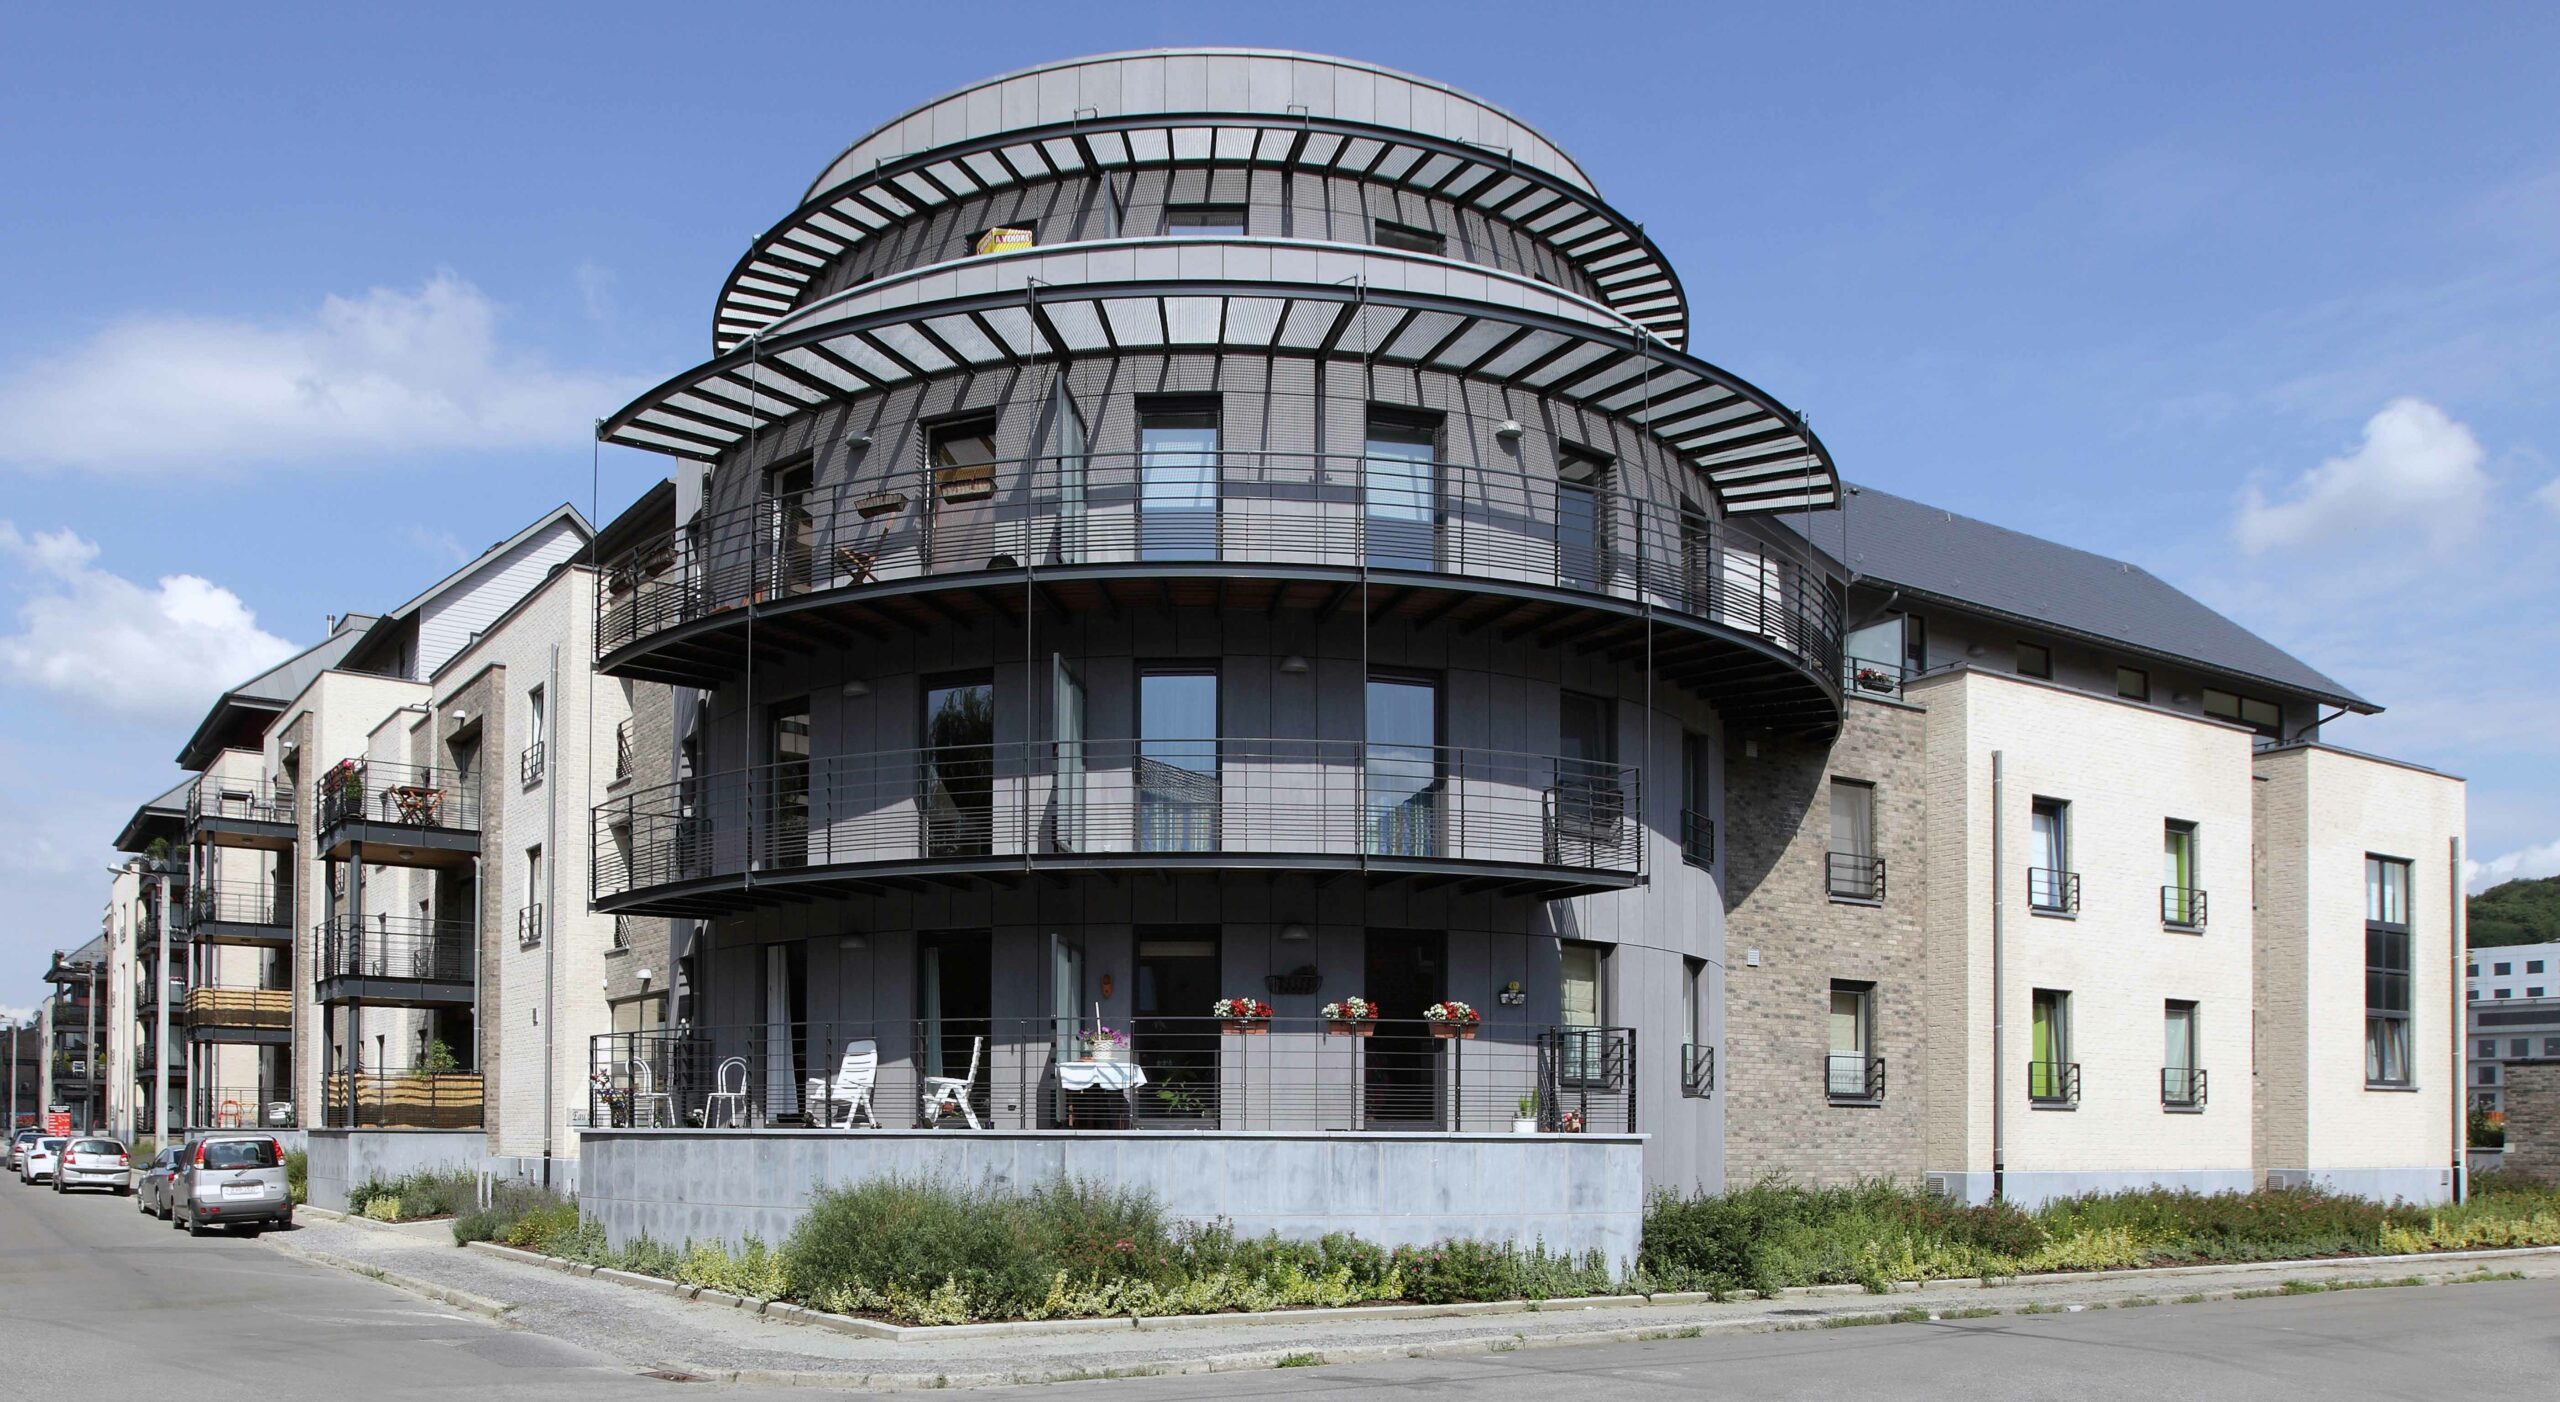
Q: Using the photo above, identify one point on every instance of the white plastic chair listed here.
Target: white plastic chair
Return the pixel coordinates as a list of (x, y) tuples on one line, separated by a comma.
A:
[(945, 1096), (729, 1088), (645, 1094), (849, 1094)]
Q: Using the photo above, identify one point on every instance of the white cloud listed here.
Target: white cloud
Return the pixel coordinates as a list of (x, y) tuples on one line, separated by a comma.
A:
[(2417, 469), (2549, 496), (97, 639), (2541, 859), (381, 375)]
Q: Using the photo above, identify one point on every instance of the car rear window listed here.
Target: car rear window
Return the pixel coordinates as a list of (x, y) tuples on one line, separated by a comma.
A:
[(96, 1146), (239, 1153), (50, 1146)]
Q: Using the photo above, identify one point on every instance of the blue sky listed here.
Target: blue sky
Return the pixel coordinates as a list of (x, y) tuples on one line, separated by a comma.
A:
[(297, 307)]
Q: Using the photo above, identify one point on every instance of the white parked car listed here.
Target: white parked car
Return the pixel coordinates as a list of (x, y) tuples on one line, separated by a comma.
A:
[(42, 1156), (94, 1163)]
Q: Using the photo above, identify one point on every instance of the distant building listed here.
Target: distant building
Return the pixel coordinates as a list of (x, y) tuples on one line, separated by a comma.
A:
[(2512, 1005)]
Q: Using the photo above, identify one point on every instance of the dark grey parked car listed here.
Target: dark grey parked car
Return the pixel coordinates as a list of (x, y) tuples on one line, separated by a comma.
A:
[(235, 1181), (151, 1186)]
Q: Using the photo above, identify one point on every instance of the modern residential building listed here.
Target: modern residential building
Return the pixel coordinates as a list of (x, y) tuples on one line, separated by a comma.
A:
[(69, 1029), (2512, 1005), (2514, 971)]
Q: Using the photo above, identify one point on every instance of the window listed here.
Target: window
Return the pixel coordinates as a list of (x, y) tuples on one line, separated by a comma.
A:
[(2534, 992), (1401, 779), (2551, 1046), (2489, 1046), (1400, 491), (1177, 760), (2052, 1079), (1876, 653), (2264, 717), (2520, 1046), (2052, 887), (2505, 993), (2181, 904), (2133, 684), (2533, 966), (1204, 221), (787, 747), (1697, 1059), (2386, 972), (959, 730), (790, 528), (529, 916), (1067, 471), (1582, 519), (2035, 660), (1697, 830), (1856, 873), (1407, 238), (2181, 1081), (2489, 1073), (2471, 971), (962, 455), (1584, 969), (2502, 970), (1851, 1071), (1178, 479), (1587, 798)]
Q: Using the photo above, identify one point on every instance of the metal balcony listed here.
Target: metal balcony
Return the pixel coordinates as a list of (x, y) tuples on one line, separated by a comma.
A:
[(400, 959), (2055, 1083), (1853, 1078), (2182, 907), (1534, 824), (2182, 1087), (1855, 876), (242, 912), (2051, 892), (222, 1013), (400, 814), (253, 813)]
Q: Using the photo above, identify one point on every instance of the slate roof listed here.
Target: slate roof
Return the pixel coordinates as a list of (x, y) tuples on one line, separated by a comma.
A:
[(165, 816), (1929, 552), (270, 690)]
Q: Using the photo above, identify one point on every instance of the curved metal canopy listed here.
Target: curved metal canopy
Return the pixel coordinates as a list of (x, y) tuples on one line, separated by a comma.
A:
[(774, 277), (1258, 295)]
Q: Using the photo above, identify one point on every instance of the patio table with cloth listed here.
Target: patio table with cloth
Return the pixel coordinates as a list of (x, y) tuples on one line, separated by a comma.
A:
[(1121, 1076)]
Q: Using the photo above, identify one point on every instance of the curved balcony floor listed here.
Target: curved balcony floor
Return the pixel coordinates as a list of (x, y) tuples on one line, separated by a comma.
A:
[(965, 816)]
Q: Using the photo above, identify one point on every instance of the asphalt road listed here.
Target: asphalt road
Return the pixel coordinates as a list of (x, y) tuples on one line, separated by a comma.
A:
[(90, 1288)]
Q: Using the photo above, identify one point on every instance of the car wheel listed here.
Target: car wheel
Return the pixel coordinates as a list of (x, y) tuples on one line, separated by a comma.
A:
[(252, 1229), (166, 1211), (196, 1227)]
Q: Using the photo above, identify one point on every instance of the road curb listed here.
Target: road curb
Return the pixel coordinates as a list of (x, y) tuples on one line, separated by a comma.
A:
[(442, 1294)]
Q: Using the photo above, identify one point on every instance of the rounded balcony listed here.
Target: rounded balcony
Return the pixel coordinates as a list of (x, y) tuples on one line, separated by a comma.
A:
[(1543, 826)]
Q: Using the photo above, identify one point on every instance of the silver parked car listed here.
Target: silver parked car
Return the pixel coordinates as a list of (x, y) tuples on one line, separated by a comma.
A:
[(94, 1163), (151, 1186), (231, 1181), (18, 1143), (37, 1163)]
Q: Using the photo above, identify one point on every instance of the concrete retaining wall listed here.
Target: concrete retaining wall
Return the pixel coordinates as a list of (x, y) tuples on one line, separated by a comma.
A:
[(530, 1168), (1574, 1193), (343, 1158)]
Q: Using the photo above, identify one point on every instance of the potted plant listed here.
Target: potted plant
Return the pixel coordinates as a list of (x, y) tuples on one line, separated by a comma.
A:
[(1874, 679), (1352, 1017), (1452, 1019), (1526, 1122), (1247, 1016), (1570, 1122), (1105, 1044)]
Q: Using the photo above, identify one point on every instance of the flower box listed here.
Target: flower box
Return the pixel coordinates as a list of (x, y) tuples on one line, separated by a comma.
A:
[(1247, 1027), (1457, 1031), (1345, 1027)]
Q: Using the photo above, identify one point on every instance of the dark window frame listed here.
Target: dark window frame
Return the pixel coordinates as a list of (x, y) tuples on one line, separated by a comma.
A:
[(1172, 225), (2390, 1011), (2141, 687), (2043, 655), (1408, 238)]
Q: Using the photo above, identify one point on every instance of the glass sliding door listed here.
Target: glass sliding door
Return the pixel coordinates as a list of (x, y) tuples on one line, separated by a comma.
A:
[(787, 804), (1401, 780), (1178, 480), (1400, 492), (1177, 760), (1579, 1010), (962, 459), (790, 528), (1066, 817), (1587, 803), (1582, 521), (957, 801), (1068, 467)]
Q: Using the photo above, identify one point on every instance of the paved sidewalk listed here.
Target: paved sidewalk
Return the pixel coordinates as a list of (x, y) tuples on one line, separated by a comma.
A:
[(650, 1330)]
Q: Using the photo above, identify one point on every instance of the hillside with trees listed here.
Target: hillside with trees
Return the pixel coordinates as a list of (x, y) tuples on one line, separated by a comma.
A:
[(2516, 912)]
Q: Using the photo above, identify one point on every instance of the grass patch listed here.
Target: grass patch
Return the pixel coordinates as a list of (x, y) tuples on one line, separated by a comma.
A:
[(2042, 1307), (2195, 1299), (2137, 1302), (1301, 1360), (1912, 1315), (2478, 1276), (1969, 1312), (413, 1197)]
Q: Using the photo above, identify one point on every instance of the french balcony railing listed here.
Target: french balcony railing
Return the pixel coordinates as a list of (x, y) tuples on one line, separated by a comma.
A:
[(240, 903), (529, 926), (242, 801), (2053, 1082), (529, 762), (1856, 876), (1853, 1078), (382, 794), (1249, 508), (2053, 892), (405, 1100), (2182, 1087), (1342, 802), (1697, 838), (1175, 1073), (2182, 907), (1697, 1070), (241, 1107), (221, 1005), (1865, 676), (399, 948), (621, 751)]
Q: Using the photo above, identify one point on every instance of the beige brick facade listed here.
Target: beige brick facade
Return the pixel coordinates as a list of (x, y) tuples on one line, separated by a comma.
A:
[(2533, 1119)]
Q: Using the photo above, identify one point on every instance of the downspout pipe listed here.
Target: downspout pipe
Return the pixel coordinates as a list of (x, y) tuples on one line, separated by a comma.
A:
[(548, 895), (2459, 922), (1999, 992)]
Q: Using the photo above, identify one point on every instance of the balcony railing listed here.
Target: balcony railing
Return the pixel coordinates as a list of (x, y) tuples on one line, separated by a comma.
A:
[(403, 947), (2053, 892), (146, 990), (241, 1107), (1233, 507), (1866, 676), (241, 903), (529, 763), (398, 795), (1698, 838), (2053, 1082), (622, 931), (1177, 1073), (241, 800), (217, 1005), (1853, 1076), (1697, 1069), (529, 925), (2182, 906), (1856, 876), (1115, 798), (622, 750), (2182, 1087), (405, 1100)]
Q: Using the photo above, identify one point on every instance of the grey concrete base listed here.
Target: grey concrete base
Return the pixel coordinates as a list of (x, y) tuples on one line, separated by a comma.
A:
[(2423, 1186), (558, 1174), (1575, 1193), (2033, 1188), (343, 1158)]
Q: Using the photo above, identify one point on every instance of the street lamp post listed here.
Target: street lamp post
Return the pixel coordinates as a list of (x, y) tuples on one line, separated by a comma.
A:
[(160, 1017)]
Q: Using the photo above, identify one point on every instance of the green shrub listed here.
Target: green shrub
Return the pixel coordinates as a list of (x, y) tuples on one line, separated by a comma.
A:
[(449, 1193), (297, 1176)]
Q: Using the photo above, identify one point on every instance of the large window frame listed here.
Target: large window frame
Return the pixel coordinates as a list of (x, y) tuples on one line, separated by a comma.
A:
[(1850, 1073), (2389, 1010), (2259, 714)]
